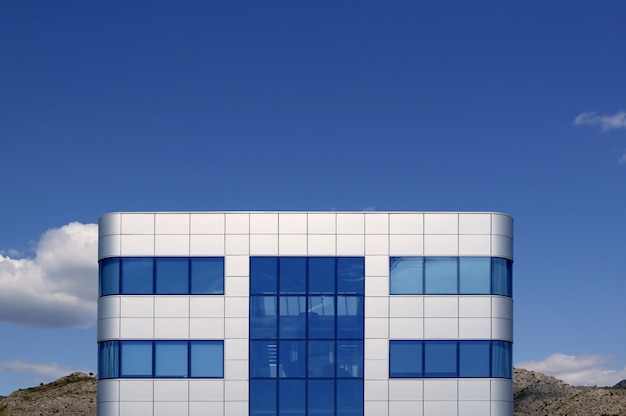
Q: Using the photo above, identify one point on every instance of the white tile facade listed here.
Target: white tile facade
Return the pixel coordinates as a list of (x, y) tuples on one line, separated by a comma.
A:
[(239, 235)]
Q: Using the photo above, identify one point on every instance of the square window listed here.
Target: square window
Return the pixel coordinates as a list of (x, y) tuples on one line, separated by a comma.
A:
[(321, 275), (291, 397), (441, 275), (321, 317), (136, 359), (321, 359), (292, 275), (292, 359), (263, 317), (172, 276), (207, 359), (321, 401), (263, 359), (501, 277), (263, 397), (475, 275), (137, 276), (292, 318), (170, 359), (405, 359), (406, 275), (474, 358), (349, 359), (440, 359), (351, 275), (350, 318), (263, 275), (349, 397), (207, 276), (109, 277)]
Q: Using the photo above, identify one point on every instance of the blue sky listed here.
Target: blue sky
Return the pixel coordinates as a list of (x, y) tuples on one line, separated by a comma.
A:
[(279, 105)]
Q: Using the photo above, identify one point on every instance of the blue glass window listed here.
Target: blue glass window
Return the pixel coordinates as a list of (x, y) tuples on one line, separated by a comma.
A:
[(440, 359), (350, 318), (321, 317), (137, 275), (263, 359), (501, 277), (321, 359), (207, 276), (321, 275), (441, 275), (170, 359), (136, 359), (263, 397), (172, 276), (109, 276), (351, 275), (501, 359), (405, 359), (474, 359), (321, 400), (263, 317), (108, 359), (292, 319), (292, 359), (349, 398), (475, 275), (291, 397), (292, 272), (263, 275), (349, 359), (207, 359), (406, 275)]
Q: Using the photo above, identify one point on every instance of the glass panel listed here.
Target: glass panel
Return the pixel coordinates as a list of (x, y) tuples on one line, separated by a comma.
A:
[(137, 276), (321, 400), (350, 359), (474, 358), (263, 397), (136, 358), (351, 275), (321, 275), (263, 359), (292, 319), (440, 359), (501, 277), (405, 359), (291, 397), (292, 275), (292, 361), (350, 320), (501, 363), (207, 276), (172, 276), (406, 275), (108, 359), (321, 359), (263, 317), (263, 275), (441, 275), (207, 359), (109, 277), (321, 317), (475, 275), (170, 359), (349, 398)]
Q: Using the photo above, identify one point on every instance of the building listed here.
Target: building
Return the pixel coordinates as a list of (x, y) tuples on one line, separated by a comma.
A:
[(296, 313)]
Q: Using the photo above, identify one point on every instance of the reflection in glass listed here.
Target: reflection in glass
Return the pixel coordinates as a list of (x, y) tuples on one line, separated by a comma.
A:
[(172, 276), (207, 276), (109, 277), (137, 275), (475, 275), (406, 275), (136, 359), (170, 359), (441, 275)]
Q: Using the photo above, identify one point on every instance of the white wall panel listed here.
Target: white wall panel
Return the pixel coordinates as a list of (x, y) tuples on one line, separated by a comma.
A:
[(136, 390), (406, 389), (109, 246), (171, 390), (292, 223), (376, 245), (236, 307), (412, 407), (376, 223), (406, 306), (377, 307), (502, 329), (406, 223), (137, 306), (322, 245), (172, 223), (376, 408), (136, 328), (108, 409), (136, 409), (376, 286), (501, 408), (236, 369), (236, 327), (264, 223), (237, 223), (109, 307), (475, 389), (171, 245), (441, 245), (137, 223), (474, 245), (441, 306), (502, 307), (376, 390), (171, 408), (108, 390), (206, 390), (171, 306), (441, 328), (206, 245), (137, 245), (502, 389), (475, 223), (206, 306), (109, 224), (406, 328), (376, 369), (502, 224), (474, 328), (440, 408), (207, 223), (236, 349), (236, 266), (440, 390), (406, 245), (236, 244), (350, 223), (502, 247), (171, 328), (376, 349), (206, 408), (264, 245), (322, 223), (237, 286), (292, 245), (206, 328), (236, 408), (441, 223), (376, 327), (376, 266), (475, 306), (108, 328), (235, 390), (475, 408), (350, 245)]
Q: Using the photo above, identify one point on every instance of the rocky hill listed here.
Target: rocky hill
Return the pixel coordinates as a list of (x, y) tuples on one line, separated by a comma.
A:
[(535, 395)]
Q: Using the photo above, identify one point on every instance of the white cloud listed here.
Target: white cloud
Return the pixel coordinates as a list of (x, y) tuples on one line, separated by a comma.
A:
[(35, 373), (606, 122), (579, 370), (56, 288)]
